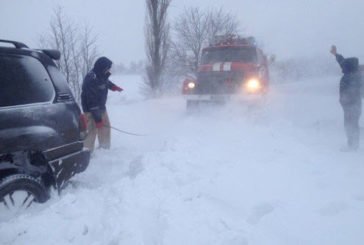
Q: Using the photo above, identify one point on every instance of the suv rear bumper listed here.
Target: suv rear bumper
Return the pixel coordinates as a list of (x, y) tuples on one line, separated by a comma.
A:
[(67, 166)]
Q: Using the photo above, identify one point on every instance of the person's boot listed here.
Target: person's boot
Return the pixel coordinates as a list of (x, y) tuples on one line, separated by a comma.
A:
[(348, 149), (351, 147)]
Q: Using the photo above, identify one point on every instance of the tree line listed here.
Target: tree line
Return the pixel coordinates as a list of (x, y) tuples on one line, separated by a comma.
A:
[(173, 48)]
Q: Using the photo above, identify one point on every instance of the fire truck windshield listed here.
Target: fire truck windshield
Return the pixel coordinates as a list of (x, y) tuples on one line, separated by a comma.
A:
[(229, 54)]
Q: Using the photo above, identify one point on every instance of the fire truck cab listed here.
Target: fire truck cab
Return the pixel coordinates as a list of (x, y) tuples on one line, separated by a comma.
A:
[(230, 67)]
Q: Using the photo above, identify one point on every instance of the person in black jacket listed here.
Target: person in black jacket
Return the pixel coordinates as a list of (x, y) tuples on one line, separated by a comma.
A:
[(93, 97), (350, 98)]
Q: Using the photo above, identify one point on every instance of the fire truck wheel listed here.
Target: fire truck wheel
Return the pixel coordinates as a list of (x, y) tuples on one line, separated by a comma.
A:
[(192, 104)]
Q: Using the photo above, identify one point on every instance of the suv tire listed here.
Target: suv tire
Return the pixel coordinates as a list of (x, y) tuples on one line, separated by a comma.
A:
[(21, 182)]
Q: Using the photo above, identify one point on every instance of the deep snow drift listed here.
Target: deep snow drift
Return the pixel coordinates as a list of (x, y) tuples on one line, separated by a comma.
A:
[(271, 174)]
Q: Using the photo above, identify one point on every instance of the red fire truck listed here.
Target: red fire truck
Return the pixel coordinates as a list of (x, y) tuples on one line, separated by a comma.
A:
[(230, 67)]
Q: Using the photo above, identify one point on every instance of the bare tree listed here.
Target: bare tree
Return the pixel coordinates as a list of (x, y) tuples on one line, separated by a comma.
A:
[(157, 43), (78, 49), (221, 23), (62, 35), (193, 30), (88, 50), (75, 71)]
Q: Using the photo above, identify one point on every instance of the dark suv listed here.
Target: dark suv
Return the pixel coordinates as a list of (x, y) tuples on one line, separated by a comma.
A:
[(41, 126)]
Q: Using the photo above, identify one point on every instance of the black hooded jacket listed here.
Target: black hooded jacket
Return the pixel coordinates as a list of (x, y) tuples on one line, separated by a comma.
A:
[(95, 88), (350, 83)]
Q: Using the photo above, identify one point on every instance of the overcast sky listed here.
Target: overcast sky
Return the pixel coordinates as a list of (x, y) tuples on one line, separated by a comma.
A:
[(286, 28)]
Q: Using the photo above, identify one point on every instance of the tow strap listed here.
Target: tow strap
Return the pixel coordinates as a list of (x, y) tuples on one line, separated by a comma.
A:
[(125, 132)]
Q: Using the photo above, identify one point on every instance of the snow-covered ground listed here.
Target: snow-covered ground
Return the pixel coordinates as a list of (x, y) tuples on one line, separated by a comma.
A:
[(235, 175)]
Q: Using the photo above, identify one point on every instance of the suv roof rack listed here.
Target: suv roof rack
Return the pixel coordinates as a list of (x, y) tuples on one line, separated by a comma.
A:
[(16, 44)]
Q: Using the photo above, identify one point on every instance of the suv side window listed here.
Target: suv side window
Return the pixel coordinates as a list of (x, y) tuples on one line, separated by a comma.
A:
[(59, 79), (23, 80)]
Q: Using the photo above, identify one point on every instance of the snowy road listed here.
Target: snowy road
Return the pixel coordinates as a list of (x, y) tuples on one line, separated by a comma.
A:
[(235, 175)]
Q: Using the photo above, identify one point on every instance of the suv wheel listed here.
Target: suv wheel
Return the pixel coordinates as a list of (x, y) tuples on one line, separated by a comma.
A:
[(19, 191)]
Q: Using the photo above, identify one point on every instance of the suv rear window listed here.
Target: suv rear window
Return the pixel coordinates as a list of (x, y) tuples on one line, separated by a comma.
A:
[(23, 80)]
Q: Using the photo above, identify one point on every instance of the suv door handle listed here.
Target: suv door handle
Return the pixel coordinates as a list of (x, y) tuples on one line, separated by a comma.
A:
[(63, 97)]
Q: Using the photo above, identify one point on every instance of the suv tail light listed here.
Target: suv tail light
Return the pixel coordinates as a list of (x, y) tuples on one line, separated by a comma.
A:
[(83, 126)]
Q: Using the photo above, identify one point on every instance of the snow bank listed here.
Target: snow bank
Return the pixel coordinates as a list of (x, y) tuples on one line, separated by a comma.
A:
[(271, 174)]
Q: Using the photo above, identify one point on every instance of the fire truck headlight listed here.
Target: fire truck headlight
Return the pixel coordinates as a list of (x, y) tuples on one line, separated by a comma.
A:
[(253, 85), (191, 85)]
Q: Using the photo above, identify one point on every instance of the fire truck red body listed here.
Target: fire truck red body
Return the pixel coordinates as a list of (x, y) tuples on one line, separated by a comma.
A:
[(231, 67)]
